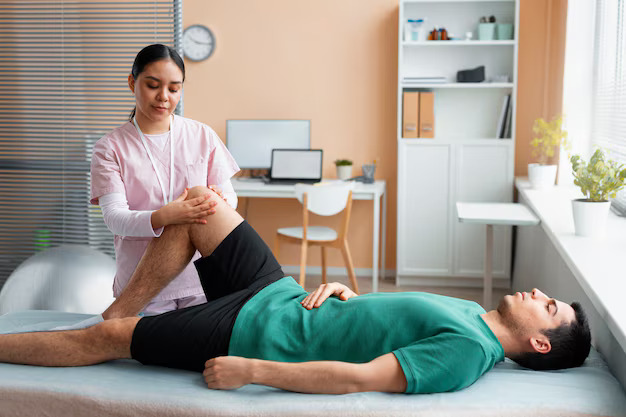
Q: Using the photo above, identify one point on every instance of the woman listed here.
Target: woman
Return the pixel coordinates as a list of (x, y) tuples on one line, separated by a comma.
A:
[(140, 173)]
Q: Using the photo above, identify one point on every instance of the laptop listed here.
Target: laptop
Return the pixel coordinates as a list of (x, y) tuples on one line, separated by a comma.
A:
[(291, 166)]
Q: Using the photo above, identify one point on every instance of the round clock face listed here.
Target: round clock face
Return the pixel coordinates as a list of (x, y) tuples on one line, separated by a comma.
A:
[(198, 42)]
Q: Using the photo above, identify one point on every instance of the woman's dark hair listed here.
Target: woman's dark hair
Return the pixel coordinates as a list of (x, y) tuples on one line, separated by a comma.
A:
[(570, 344), (150, 54)]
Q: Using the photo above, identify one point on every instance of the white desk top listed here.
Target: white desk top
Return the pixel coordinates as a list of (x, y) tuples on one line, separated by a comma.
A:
[(511, 214), (245, 187)]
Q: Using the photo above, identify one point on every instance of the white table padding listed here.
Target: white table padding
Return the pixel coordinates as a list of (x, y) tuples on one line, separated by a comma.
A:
[(126, 388)]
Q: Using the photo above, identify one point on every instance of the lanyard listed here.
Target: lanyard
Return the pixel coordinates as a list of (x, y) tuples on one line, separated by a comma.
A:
[(145, 145)]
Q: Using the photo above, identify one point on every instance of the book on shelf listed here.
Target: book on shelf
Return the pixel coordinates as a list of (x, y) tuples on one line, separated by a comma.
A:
[(504, 110)]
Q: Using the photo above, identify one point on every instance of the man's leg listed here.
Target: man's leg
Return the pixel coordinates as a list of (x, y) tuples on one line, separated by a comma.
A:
[(169, 254), (103, 342)]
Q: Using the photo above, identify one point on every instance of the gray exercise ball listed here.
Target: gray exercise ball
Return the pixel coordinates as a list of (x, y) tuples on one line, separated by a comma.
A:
[(72, 278)]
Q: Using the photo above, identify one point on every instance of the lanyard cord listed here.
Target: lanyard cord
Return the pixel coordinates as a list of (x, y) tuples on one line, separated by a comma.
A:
[(145, 145)]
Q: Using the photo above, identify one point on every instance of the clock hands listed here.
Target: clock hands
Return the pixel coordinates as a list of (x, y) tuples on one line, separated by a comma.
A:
[(198, 41)]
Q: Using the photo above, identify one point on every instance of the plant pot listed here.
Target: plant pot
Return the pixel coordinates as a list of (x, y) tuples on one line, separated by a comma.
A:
[(590, 217), (541, 177), (344, 172)]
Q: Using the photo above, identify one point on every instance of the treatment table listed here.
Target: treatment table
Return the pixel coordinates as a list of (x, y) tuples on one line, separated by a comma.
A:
[(126, 388)]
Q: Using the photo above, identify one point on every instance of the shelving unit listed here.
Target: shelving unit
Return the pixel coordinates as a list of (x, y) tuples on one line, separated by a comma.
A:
[(465, 161)]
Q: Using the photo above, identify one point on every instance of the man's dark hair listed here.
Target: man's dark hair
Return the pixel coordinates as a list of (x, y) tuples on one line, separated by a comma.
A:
[(570, 343)]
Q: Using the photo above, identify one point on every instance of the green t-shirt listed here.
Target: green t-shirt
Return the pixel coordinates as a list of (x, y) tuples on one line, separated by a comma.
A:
[(441, 343)]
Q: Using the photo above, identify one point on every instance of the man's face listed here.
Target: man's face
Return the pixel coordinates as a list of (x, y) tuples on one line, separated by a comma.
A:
[(528, 313)]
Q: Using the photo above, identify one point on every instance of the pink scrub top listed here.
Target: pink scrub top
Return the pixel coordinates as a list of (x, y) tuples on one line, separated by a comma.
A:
[(120, 164)]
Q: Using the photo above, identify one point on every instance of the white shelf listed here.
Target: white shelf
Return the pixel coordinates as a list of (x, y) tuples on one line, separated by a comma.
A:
[(446, 141), (458, 1), (457, 85), (457, 43)]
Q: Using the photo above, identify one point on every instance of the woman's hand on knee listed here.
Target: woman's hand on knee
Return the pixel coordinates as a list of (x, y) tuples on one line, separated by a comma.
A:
[(182, 211)]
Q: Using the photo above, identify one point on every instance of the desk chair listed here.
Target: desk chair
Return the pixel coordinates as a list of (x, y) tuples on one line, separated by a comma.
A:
[(323, 200)]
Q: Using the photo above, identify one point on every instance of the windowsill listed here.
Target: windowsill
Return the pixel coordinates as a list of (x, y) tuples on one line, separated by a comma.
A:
[(597, 264)]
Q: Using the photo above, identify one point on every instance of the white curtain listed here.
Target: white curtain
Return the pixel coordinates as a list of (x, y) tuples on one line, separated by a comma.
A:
[(578, 82), (594, 93)]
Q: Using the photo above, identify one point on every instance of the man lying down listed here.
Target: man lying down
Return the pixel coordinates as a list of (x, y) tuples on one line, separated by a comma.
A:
[(260, 327)]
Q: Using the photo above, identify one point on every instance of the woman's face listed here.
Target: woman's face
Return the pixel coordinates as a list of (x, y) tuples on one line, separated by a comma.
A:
[(157, 90)]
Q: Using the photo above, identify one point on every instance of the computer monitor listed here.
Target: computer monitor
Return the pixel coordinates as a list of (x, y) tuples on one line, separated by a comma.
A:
[(251, 142)]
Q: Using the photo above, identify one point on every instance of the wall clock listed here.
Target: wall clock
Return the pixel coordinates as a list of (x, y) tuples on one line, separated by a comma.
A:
[(198, 42)]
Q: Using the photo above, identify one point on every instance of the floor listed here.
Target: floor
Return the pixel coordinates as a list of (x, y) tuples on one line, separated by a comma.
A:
[(387, 285)]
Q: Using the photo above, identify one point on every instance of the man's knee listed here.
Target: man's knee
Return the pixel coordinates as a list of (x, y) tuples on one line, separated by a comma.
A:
[(118, 332), (199, 191)]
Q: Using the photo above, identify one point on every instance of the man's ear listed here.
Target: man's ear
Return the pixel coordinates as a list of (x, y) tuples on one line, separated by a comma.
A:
[(540, 344), (131, 83)]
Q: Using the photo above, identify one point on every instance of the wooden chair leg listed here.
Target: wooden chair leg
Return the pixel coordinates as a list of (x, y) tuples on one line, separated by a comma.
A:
[(303, 251), (324, 280), (349, 266), (277, 247)]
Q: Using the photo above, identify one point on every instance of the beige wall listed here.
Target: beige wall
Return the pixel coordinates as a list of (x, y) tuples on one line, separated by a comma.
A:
[(540, 70), (335, 63)]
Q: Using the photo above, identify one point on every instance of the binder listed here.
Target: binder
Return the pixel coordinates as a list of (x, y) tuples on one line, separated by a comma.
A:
[(427, 115), (410, 112), (504, 111), (508, 125)]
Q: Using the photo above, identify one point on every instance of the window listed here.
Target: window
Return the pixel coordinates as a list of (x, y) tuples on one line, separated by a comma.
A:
[(609, 102), (64, 68)]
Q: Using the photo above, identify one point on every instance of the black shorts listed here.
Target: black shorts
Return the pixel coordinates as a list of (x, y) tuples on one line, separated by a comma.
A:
[(239, 267)]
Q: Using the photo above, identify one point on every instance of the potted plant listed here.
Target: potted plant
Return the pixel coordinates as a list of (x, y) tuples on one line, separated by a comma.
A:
[(548, 137), (344, 168), (598, 180)]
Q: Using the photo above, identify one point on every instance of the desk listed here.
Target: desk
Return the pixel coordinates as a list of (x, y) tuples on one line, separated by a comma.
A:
[(375, 192), (490, 214)]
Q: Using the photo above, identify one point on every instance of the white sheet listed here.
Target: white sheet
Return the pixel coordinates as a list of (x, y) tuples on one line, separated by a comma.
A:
[(126, 388)]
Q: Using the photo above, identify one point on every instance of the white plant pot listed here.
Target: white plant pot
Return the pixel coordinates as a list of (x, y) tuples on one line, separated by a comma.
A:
[(541, 177), (344, 172), (590, 217)]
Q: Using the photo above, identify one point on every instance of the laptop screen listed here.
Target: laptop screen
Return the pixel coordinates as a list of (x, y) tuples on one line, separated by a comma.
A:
[(296, 164)]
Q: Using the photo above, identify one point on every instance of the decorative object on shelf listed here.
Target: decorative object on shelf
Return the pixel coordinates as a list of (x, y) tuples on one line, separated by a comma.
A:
[(476, 75), (598, 180), (487, 28), (198, 42), (469, 36), (504, 31), (550, 136), (344, 168)]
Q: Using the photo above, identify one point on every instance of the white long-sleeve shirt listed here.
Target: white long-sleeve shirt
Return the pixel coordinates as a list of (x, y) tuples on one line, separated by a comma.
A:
[(125, 222)]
